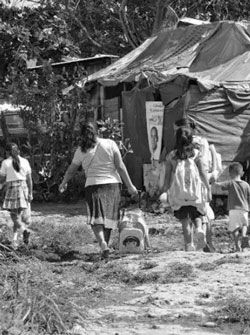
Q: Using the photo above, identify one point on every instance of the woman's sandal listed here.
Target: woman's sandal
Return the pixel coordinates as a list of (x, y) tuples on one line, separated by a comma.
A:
[(105, 254)]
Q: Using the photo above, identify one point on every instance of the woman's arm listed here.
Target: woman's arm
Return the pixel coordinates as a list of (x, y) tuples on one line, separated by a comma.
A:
[(122, 170), (68, 175), (30, 187), (2, 178), (3, 172)]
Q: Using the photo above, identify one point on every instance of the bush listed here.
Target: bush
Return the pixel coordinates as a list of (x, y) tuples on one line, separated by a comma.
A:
[(178, 272), (234, 309), (60, 239)]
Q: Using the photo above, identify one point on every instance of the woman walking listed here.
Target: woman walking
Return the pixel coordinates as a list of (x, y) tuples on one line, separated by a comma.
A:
[(102, 162), (16, 172)]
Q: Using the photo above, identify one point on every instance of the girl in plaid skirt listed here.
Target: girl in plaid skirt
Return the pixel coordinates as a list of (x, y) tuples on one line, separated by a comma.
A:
[(16, 172)]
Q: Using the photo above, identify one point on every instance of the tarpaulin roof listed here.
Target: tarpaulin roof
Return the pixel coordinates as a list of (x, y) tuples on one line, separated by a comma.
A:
[(212, 53), (73, 60)]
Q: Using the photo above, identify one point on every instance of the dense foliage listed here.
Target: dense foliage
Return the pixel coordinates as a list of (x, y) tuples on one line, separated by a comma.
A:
[(87, 27), (62, 28)]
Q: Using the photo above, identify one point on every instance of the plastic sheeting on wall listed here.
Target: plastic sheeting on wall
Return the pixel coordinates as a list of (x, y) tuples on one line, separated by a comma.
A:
[(217, 120), (134, 116)]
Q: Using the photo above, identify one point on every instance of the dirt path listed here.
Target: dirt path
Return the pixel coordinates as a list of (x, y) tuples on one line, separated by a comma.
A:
[(168, 291)]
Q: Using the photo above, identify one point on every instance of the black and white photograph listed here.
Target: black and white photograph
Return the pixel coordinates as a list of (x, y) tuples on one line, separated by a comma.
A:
[(124, 167)]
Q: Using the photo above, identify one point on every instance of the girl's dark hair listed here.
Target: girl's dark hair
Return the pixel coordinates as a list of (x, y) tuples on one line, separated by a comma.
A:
[(184, 144), (13, 149), (88, 136)]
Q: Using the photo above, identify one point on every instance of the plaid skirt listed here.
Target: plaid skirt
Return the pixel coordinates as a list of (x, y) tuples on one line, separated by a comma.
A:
[(16, 196), (103, 203)]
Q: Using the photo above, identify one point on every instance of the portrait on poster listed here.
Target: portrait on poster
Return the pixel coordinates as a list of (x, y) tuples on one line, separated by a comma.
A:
[(154, 116)]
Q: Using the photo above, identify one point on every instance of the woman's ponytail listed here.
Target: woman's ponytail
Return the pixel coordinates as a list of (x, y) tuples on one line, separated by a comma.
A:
[(13, 149)]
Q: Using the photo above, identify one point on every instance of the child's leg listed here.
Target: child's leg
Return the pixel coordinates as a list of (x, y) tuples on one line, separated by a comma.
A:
[(244, 231), (17, 224), (244, 240), (209, 247), (236, 236), (209, 232), (201, 234), (26, 219), (199, 225), (187, 229), (26, 216)]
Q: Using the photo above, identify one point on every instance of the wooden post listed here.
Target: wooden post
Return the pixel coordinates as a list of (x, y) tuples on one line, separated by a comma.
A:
[(94, 101), (4, 128), (121, 113), (102, 99)]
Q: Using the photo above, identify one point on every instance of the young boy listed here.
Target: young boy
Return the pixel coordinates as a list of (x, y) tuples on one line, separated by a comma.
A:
[(238, 205)]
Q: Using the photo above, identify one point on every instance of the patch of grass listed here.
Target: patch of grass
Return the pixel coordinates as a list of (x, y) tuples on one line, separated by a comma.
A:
[(229, 259), (114, 272), (148, 265), (206, 266), (224, 260), (117, 272), (177, 272), (142, 277), (32, 303), (60, 239), (234, 309)]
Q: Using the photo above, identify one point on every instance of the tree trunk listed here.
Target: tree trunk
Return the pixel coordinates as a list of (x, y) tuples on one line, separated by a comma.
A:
[(165, 16), (125, 25)]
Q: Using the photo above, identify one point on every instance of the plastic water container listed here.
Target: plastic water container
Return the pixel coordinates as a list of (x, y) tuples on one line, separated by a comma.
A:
[(133, 237), (131, 241)]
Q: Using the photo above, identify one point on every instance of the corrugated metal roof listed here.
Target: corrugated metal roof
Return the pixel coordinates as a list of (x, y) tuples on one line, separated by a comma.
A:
[(215, 52)]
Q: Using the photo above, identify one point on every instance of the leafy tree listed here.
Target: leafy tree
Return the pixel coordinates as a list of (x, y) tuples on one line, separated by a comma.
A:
[(49, 116), (134, 14), (71, 27), (60, 28)]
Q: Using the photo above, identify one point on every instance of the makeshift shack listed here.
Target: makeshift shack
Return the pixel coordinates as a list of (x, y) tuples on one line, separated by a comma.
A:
[(202, 71)]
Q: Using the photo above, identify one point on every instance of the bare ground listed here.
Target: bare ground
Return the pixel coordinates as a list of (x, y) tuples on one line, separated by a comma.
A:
[(168, 291)]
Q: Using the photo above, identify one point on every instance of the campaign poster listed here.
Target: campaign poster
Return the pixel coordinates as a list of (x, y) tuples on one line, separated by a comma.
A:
[(154, 116)]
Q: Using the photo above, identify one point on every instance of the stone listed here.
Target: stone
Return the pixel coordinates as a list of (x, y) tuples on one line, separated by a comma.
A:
[(209, 324)]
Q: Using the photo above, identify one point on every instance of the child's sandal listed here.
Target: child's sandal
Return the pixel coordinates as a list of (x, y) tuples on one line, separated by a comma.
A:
[(244, 243), (26, 235)]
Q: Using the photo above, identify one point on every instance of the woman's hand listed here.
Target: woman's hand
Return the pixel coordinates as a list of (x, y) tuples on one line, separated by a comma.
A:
[(163, 197), (132, 190), (62, 187), (68, 175), (30, 197), (209, 194)]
